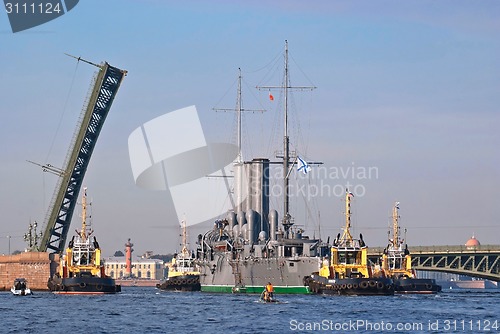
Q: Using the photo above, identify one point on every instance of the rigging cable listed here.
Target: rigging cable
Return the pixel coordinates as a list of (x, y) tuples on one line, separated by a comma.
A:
[(63, 112)]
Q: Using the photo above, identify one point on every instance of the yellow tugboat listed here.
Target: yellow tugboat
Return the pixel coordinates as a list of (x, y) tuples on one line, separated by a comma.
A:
[(347, 272), (182, 274), (396, 262), (81, 270)]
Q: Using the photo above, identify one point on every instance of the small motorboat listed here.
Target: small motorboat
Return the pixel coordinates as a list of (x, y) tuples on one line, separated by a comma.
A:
[(20, 287)]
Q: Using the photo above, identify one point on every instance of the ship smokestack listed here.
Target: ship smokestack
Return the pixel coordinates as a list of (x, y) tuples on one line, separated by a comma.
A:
[(258, 195), (273, 221), (231, 219)]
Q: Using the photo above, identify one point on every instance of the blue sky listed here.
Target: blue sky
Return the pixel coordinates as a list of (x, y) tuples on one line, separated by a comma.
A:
[(411, 88)]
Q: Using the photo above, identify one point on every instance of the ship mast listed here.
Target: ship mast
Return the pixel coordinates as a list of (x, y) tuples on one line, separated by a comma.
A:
[(287, 221), (347, 230), (395, 225), (185, 250), (238, 163), (83, 232)]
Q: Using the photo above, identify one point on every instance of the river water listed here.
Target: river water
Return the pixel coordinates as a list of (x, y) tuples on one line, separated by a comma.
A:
[(147, 310)]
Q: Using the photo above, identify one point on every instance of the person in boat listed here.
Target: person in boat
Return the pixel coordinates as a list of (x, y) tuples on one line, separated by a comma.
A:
[(268, 292), (174, 262)]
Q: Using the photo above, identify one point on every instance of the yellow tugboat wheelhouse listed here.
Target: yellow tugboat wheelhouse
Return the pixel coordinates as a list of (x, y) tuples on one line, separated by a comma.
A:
[(81, 269), (347, 271)]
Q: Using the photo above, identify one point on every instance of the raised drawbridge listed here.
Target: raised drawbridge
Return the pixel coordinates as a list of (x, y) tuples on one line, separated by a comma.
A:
[(106, 82)]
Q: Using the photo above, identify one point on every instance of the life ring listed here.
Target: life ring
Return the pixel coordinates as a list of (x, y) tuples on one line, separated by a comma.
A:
[(98, 287), (428, 286), (363, 285), (380, 285), (83, 284), (372, 284), (349, 286)]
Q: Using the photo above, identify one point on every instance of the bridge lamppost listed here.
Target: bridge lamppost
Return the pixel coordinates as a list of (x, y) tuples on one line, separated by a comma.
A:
[(8, 237), (32, 237)]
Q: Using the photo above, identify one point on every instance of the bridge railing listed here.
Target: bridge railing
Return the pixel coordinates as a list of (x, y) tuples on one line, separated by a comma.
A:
[(451, 249)]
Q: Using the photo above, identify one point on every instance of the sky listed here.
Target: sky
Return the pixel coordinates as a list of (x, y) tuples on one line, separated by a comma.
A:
[(407, 97)]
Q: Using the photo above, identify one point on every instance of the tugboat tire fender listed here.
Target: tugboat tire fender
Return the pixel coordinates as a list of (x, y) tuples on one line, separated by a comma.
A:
[(183, 281), (380, 285), (428, 286), (344, 286), (363, 285), (349, 286), (355, 286), (83, 284), (62, 287), (413, 286), (372, 284), (99, 287)]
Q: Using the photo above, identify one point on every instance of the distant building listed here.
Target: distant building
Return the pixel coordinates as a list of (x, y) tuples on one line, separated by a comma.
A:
[(142, 268), (472, 243)]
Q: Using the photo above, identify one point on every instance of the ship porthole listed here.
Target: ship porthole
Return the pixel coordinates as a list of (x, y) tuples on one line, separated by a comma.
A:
[(99, 287), (82, 285)]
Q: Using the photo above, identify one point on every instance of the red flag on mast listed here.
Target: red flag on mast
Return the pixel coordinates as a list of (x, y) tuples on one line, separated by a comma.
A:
[(271, 97)]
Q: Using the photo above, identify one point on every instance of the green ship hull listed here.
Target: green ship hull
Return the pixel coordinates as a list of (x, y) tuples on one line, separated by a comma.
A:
[(254, 289)]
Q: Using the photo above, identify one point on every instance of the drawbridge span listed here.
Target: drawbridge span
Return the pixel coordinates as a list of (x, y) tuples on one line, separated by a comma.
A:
[(106, 83), (480, 261)]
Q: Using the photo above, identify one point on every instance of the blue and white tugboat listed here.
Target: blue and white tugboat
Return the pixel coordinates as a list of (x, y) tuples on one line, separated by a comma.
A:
[(396, 262), (347, 272), (182, 272)]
